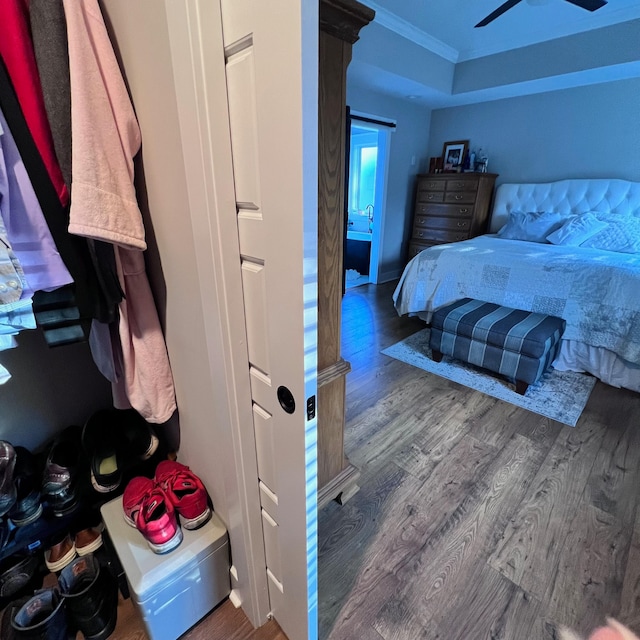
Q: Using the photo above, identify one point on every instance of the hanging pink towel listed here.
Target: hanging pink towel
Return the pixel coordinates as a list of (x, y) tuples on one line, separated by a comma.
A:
[(105, 134), (106, 137)]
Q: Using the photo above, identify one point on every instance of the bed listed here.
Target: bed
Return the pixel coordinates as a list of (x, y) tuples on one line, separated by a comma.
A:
[(596, 291)]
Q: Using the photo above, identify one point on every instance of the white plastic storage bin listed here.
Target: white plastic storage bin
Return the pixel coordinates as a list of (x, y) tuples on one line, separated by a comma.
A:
[(175, 590)]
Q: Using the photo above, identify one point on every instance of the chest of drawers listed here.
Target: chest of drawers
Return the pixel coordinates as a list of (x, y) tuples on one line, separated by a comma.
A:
[(449, 208)]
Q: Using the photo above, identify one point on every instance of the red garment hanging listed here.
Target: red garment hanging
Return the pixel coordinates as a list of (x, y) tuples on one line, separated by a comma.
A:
[(16, 49)]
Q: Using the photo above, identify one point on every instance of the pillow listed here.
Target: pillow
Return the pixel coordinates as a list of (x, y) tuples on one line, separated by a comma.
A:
[(622, 236), (609, 217), (577, 230), (533, 226)]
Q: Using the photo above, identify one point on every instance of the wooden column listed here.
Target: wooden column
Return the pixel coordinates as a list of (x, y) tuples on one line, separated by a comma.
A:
[(340, 23)]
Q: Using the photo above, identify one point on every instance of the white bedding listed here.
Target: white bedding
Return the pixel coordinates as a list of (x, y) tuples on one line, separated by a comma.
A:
[(596, 292), (602, 363)]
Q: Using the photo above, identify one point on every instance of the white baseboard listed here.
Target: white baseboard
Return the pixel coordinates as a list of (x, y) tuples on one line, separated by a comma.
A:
[(387, 276)]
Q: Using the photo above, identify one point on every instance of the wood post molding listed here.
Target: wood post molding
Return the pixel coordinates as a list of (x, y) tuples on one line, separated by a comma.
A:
[(340, 24), (344, 18)]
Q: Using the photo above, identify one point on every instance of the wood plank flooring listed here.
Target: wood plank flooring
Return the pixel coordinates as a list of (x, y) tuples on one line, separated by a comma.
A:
[(223, 623), (475, 519)]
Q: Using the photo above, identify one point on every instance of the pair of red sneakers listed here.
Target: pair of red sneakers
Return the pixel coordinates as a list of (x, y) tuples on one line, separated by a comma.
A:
[(152, 506)]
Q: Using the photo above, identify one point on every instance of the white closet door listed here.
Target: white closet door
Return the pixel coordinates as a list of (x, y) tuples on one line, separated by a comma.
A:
[(272, 70)]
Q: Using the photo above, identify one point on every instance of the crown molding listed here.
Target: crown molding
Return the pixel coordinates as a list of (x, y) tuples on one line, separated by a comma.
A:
[(391, 21), (403, 28), (613, 17)]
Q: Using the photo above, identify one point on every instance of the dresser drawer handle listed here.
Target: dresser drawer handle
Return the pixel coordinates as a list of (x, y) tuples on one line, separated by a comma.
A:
[(430, 196), (432, 185), (458, 197), (461, 223), (420, 234), (465, 210), (461, 236), (459, 185)]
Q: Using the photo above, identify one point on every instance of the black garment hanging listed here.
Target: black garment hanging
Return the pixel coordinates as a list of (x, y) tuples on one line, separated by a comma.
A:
[(49, 35), (74, 250)]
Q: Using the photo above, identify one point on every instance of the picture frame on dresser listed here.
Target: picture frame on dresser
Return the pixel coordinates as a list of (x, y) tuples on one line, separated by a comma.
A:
[(453, 154)]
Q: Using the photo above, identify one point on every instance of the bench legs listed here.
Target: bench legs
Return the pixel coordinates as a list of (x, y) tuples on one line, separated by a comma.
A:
[(521, 387)]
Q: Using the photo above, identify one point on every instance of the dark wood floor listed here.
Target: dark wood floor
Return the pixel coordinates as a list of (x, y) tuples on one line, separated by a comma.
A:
[(475, 519), (223, 623)]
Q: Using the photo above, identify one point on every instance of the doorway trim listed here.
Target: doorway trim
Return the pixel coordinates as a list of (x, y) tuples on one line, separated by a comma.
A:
[(195, 34), (388, 125)]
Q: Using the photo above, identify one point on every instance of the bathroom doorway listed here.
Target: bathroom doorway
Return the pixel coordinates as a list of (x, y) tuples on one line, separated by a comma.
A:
[(367, 162)]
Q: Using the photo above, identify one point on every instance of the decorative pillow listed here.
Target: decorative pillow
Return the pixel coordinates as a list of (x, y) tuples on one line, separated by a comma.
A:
[(576, 230), (608, 216), (533, 226), (622, 235)]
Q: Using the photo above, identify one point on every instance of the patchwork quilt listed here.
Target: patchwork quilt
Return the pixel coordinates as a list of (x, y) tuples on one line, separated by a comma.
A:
[(597, 292)]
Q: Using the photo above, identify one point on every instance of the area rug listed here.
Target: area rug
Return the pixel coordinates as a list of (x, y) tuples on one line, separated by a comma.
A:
[(559, 395)]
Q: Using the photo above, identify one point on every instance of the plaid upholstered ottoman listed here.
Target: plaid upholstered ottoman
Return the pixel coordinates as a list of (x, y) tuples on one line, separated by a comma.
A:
[(520, 345)]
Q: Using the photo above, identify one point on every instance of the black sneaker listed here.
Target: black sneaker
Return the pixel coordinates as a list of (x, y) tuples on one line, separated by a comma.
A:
[(7, 465), (102, 444), (138, 437), (26, 477), (60, 476), (20, 576)]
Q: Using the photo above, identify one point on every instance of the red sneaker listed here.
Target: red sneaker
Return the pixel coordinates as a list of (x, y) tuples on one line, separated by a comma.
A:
[(185, 491), (157, 522), (137, 490)]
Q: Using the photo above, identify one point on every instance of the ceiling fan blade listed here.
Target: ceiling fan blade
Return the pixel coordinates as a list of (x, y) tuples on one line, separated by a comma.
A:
[(498, 12), (589, 5)]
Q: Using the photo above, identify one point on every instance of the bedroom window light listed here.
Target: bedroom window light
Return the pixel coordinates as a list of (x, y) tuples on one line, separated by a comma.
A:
[(362, 172), (367, 162)]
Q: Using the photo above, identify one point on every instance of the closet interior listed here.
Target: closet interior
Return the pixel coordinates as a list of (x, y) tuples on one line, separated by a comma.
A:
[(87, 396)]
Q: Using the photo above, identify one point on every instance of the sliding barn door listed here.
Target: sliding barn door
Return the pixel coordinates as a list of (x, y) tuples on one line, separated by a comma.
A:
[(271, 69)]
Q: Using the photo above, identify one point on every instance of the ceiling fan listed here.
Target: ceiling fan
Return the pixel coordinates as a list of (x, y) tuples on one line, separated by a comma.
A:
[(589, 5)]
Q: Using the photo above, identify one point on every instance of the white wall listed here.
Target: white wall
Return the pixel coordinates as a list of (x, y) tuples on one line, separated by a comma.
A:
[(409, 140), (408, 61), (608, 49), (584, 132), (140, 36)]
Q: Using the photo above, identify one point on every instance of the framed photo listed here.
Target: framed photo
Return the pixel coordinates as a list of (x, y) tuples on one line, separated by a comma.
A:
[(453, 154), (435, 165)]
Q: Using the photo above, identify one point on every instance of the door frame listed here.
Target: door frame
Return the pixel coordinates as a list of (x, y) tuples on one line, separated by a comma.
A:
[(195, 33), (196, 38), (377, 237)]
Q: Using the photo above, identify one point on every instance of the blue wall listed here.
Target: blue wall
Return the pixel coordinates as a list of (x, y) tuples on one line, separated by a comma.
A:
[(584, 132)]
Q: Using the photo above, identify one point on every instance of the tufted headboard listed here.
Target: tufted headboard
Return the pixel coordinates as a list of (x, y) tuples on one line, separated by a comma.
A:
[(566, 196)]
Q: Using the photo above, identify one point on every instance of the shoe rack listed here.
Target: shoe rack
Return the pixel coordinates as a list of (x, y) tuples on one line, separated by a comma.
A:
[(39, 534)]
